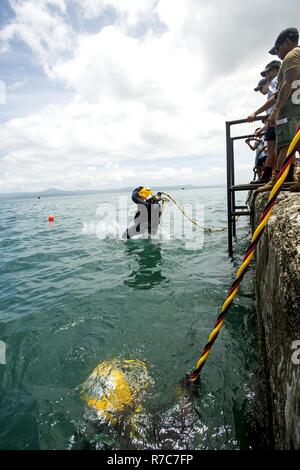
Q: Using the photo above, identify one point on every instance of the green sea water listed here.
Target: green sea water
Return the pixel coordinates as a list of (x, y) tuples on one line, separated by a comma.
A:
[(72, 294)]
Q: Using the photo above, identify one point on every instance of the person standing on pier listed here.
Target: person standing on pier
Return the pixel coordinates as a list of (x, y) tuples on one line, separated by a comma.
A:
[(286, 111), (270, 75)]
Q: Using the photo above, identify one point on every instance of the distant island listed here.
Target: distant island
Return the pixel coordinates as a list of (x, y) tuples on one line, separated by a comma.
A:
[(54, 192)]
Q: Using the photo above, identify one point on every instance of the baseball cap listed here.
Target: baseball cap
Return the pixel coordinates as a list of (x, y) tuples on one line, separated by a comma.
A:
[(274, 64), (260, 84), (291, 33)]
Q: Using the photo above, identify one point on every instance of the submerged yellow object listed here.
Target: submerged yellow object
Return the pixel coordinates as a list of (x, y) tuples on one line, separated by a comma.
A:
[(115, 387)]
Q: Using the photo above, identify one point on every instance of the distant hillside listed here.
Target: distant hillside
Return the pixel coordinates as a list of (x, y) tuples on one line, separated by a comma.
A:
[(52, 191)]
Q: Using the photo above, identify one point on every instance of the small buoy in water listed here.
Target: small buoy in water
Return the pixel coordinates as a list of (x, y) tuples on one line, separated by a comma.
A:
[(50, 218)]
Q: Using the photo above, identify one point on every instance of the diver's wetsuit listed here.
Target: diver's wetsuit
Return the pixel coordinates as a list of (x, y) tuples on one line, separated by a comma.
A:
[(147, 216)]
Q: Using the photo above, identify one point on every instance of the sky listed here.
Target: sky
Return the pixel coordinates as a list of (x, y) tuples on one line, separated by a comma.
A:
[(100, 94)]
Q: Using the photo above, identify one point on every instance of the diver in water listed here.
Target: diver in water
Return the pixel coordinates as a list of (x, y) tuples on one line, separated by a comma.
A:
[(149, 211)]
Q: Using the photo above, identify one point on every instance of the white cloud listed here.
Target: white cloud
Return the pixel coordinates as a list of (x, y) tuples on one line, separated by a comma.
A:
[(129, 12), (44, 30), (18, 84), (4, 48), (217, 169)]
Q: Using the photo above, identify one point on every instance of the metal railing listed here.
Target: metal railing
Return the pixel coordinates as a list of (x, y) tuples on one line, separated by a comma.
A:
[(234, 210)]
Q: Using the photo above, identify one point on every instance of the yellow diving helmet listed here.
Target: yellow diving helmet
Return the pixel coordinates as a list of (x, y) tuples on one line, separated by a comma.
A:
[(115, 387), (145, 192)]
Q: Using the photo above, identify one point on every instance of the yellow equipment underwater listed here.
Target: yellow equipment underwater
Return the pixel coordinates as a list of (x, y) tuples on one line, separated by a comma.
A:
[(145, 193), (116, 387)]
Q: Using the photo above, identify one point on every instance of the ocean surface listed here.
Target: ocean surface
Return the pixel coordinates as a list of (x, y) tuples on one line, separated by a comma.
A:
[(73, 294)]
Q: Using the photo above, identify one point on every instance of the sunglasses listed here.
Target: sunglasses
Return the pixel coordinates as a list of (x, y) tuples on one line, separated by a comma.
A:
[(281, 44)]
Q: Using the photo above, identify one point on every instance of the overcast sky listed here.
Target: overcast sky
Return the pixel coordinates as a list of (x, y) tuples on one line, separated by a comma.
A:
[(112, 93)]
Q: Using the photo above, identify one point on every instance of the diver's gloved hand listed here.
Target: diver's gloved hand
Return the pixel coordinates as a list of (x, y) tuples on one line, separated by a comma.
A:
[(150, 200)]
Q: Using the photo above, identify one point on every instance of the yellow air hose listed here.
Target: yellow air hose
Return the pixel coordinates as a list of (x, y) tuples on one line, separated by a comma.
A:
[(205, 229)]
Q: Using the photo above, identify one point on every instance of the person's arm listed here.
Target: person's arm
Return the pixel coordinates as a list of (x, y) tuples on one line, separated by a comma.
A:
[(252, 146), (252, 137), (268, 104), (260, 131), (291, 76)]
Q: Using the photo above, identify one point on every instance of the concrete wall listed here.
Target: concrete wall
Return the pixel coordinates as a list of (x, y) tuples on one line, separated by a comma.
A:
[(278, 309)]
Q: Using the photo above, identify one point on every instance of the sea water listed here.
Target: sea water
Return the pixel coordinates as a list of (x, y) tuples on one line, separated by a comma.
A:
[(73, 294)]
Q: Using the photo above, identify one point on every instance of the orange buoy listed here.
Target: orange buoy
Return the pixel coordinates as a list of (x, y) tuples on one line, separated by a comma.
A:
[(50, 218)]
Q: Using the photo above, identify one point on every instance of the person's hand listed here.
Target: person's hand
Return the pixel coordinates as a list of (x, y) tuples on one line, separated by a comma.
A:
[(252, 117), (271, 122), (149, 200)]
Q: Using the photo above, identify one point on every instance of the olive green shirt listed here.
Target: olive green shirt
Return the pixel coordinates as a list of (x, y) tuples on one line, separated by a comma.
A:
[(290, 72)]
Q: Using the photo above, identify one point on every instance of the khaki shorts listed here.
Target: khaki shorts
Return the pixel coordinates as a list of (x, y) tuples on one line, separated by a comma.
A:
[(286, 132)]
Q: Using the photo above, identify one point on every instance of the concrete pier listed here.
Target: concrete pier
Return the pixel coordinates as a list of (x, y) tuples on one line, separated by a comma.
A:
[(278, 310)]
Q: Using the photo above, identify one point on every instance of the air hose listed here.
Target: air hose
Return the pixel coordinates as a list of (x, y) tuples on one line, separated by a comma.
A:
[(205, 229)]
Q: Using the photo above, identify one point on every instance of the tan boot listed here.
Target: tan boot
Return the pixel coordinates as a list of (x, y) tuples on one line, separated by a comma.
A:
[(270, 184), (295, 188)]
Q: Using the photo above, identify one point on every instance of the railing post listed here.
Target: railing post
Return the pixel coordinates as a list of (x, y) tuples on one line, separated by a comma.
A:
[(229, 199), (233, 221), (231, 207)]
